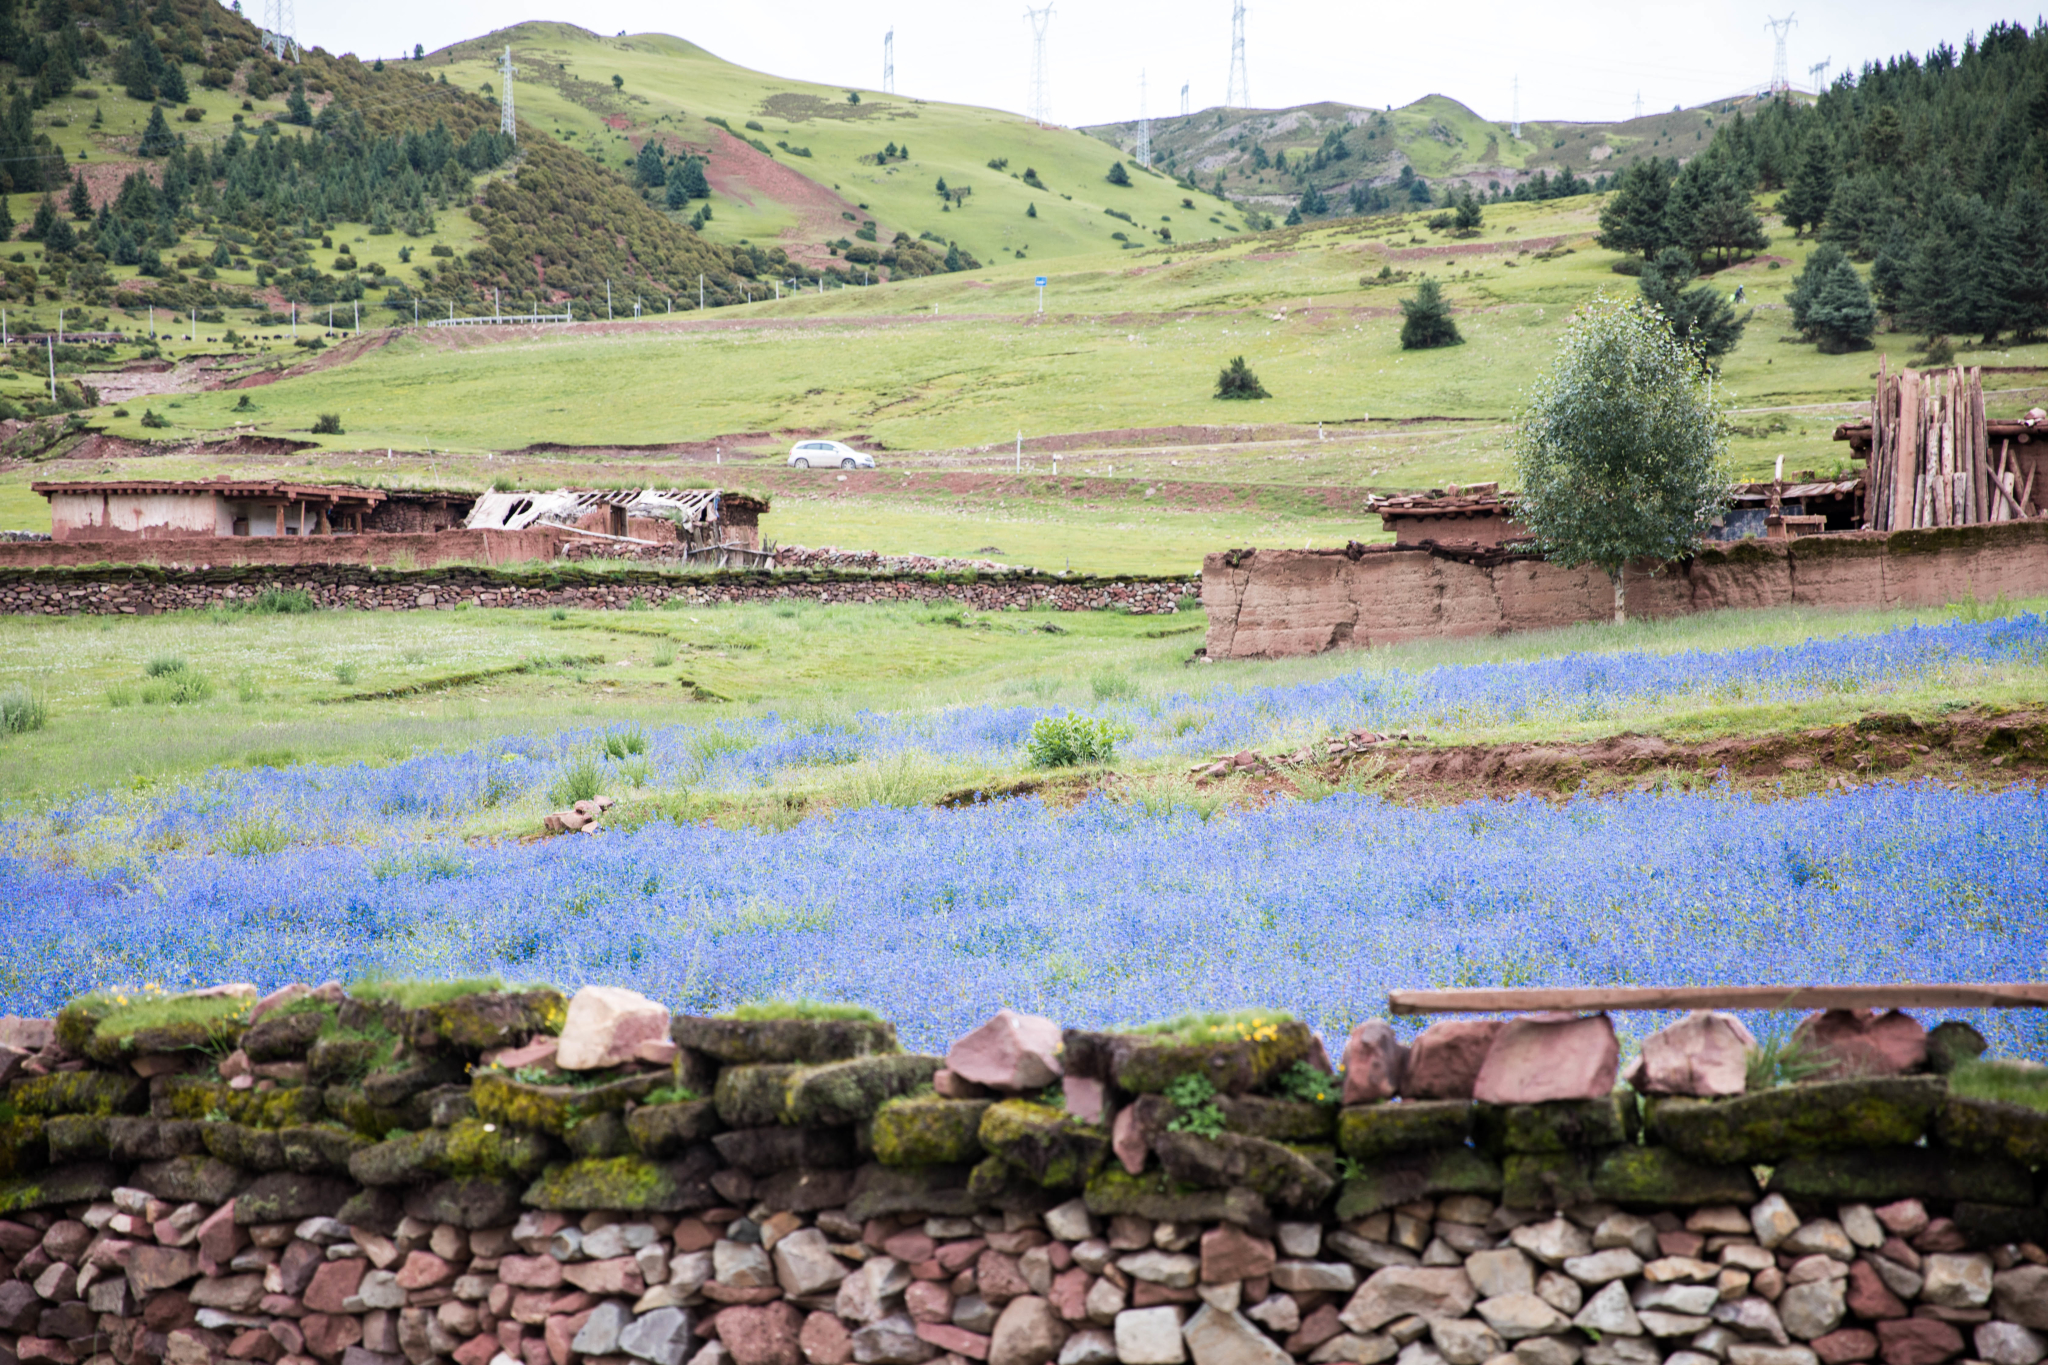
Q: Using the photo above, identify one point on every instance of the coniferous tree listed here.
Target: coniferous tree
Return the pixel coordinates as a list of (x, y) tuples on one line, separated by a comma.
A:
[(1700, 318), (1805, 202), (6, 220), (44, 220), (80, 199), (157, 138), (1426, 320), (1888, 270), (1633, 220), (1710, 212), (1839, 314), (296, 108), (649, 167), (1469, 214), (171, 85), (953, 261), (1118, 175), (1237, 382)]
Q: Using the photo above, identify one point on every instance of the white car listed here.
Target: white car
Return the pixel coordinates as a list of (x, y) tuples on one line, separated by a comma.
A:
[(823, 453)]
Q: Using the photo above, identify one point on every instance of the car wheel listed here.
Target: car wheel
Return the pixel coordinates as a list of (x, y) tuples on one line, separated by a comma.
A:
[(801, 463), (846, 464)]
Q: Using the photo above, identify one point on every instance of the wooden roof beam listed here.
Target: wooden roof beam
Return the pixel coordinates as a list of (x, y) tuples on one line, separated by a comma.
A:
[(1898, 995)]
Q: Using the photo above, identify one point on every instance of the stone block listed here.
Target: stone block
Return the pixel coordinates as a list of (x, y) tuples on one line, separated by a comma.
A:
[(1215, 1337), (851, 1091), (1445, 1061), (1887, 1173), (1658, 1176), (1540, 1057), (1705, 1054), (1556, 1126), (928, 1130), (1797, 1120), (1375, 1063), (1150, 1336), (1370, 1132), (605, 1026), (1858, 1044), (1011, 1052), (1233, 1161), (1421, 1175)]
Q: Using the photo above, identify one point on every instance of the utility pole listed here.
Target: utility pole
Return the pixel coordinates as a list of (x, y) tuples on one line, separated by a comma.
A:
[(51, 347), (607, 300), (1041, 101), (700, 291), (280, 30), (1237, 94), (1515, 124)]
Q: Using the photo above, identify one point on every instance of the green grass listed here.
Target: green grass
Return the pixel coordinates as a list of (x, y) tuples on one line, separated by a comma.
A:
[(801, 1009), (131, 1015), (413, 995), (1213, 1027), (2004, 1082)]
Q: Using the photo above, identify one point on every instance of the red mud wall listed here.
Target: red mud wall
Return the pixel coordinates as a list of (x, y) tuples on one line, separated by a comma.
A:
[(1281, 603), (423, 550)]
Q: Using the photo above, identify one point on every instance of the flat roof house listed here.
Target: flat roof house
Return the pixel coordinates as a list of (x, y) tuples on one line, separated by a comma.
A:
[(166, 509)]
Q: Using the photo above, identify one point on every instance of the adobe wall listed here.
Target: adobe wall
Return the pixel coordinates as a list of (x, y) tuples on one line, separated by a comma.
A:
[(144, 590), (516, 1179), (424, 550), (1277, 603)]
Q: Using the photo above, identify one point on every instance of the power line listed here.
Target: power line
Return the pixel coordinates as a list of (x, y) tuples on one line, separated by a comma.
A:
[(1144, 156), (1041, 100), (889, 62), (1781, 81), (1237, 93)]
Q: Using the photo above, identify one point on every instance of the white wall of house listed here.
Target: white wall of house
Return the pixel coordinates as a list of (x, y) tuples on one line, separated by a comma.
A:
[(120, 516)]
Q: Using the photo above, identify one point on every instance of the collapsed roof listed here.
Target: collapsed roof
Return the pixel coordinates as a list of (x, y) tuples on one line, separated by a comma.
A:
[(515, 511)]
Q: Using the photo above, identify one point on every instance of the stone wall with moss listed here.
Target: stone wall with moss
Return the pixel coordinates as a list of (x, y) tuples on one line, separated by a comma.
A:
[(414, 1174)]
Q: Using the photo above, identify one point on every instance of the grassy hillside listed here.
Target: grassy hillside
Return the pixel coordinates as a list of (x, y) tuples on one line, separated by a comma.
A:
[(672, 90)]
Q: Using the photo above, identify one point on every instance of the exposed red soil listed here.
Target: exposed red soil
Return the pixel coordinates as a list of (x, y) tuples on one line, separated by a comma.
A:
[(1973, 748), (103, 178), (740, 172)]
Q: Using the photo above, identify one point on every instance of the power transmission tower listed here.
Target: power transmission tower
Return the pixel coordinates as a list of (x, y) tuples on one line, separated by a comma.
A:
[(1041, 102), (1183, 101), (889, 62), (506, 125), (1819, 72), (1144, 155), (280, 30), (1781, 82), (1515, 124), (1238, 93), (1639, 104)]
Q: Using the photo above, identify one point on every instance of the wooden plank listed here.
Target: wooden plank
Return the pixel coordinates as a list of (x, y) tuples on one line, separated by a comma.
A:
[(1900, 995), (1905, 457)]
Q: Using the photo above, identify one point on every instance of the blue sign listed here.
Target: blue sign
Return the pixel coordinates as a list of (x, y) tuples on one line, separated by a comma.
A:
[(1041, 281)]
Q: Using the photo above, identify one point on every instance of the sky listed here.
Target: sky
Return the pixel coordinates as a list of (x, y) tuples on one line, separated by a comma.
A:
[(1581, 61)]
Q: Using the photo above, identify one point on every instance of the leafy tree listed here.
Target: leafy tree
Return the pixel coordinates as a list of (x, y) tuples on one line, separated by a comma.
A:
[(157, 138), (1805, 203), (1238, 382), (1118, 175), (79, 201), (618, 82), (1426, 319), (296, 108), (1701, 318), (1621, 453)]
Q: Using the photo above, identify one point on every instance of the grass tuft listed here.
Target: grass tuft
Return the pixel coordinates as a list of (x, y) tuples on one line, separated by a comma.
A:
[(2005, 1082), (801, 1009)]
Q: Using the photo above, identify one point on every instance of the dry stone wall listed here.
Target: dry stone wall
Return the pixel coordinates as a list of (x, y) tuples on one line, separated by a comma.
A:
[(1278, 603), (516, 1178), (145, 591)]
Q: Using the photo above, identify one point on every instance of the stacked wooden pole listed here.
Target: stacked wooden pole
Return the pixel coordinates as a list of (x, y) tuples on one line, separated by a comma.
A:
[(1931, 458)]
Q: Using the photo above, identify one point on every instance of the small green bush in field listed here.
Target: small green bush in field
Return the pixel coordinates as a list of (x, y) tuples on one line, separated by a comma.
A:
[(21, 712), (327, 424), (1070, 741)]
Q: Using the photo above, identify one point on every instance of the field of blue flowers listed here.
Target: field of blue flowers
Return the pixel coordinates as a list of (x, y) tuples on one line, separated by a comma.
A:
[(1103, 913)]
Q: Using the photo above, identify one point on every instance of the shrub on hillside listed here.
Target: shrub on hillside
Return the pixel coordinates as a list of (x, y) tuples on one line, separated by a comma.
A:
[(1426, 320), (327, 424), (1238, 381), (1071, 741)]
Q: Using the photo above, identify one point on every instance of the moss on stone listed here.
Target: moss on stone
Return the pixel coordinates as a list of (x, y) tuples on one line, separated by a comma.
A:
[(1277, 1120), (1156, 1195), (1645, 1176), (1795, 1119), (60, 1185), (472, 1023), (191, 1179), (927, 1191), (178, 1023), (1233, 1160), (626, 1183), (317, 1149), (1556, 1126), (1886, 1174), (1234, 1065), (850, 1092), (81, 1092), (1402, 1179), (784, 1041), (1055, 1149), (1977, 1127), (1546, 1180), (753, 1096), (927, 1130), (503, 1098), (238, 1144), (195, 1097), (1369, 1132), (24, 1145), (665, 1130), (466, 1149), (287, 1197)]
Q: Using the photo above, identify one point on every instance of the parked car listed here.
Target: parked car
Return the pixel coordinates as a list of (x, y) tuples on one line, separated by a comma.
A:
[(824, 453)]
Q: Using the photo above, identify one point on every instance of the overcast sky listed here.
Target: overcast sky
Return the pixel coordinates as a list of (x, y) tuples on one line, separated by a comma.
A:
[(1585, 61)]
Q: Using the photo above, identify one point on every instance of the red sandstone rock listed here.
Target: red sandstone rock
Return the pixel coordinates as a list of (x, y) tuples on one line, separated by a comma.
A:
[(424, 1270), (954, 1257), (560, 1331), (253, 1343), (1704, 1054), (1085, 1097), (1029, 1332), (1010, 1052), (1127, 1140), (1844, 1345), (1230, 1253), (958, 1340), (1918, 1341), (910, 1247), (47, 1351), (768, 1334), (1541, 1057), (1940, 1234), (219, 1237), (956, 1087), (1857, 1043), (606, 1025), (329, 1334), (1904, 1218), (153, 1269), (928, 1302), (332, 1284), (290, 1339), (825, 1340), (478, 1350), (530, 1272), (1375, 1062), (1444, 1062), (1868, 1297), (1069, 1294), (1317, 1328), (999, 1277)]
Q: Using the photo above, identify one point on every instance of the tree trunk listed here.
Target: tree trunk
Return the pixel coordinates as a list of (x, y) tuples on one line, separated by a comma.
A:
[(1620, 599)]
